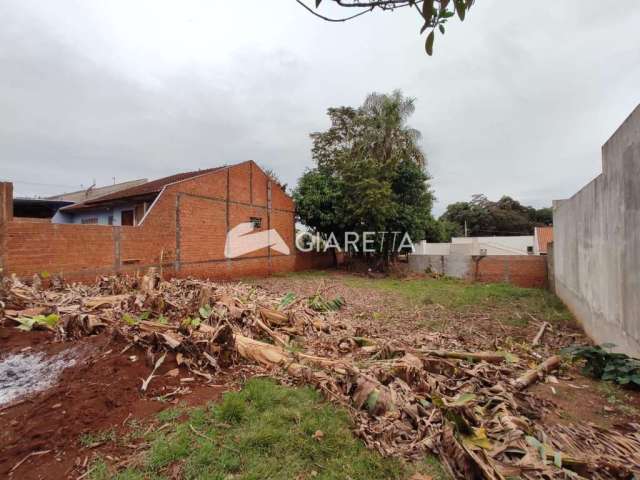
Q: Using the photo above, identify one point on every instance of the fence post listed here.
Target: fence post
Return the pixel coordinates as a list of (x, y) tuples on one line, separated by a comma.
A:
[(6, 215), (551, 279)]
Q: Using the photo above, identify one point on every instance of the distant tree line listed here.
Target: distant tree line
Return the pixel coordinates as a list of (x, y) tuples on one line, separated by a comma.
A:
[(506, 217)]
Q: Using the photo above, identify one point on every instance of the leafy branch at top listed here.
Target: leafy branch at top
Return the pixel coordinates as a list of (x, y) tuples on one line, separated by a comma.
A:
[(434, 13)]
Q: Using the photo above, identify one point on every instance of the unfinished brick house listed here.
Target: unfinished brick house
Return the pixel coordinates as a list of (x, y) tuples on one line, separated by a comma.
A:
[(178, 223)]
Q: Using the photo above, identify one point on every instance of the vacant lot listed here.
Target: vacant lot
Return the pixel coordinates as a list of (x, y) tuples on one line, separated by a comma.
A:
[(97, 423), (474, 316)]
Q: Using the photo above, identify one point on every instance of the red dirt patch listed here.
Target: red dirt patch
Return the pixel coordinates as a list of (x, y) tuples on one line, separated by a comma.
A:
[(583, 399), (12, 339), (101, 392)]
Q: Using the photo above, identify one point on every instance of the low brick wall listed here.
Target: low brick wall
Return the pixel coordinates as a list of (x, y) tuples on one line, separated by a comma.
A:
[(521, 270), (185, 231)]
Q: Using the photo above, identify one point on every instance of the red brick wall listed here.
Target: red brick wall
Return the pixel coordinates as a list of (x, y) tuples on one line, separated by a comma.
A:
[(240, 183), (280, 200), (521, 270), (6, 216), (186, 228), (203, 228), (259, 184)]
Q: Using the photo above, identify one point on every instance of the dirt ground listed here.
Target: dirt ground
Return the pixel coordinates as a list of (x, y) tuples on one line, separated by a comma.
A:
[(101, 392)]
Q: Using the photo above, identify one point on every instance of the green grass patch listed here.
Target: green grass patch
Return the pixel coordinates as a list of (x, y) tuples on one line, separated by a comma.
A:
[(170, 414), (616, 396), (105, 436), (458, 295), (266, 431)]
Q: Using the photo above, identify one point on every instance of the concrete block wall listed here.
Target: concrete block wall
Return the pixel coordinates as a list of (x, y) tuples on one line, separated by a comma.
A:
[(597, 244), (185, 230)]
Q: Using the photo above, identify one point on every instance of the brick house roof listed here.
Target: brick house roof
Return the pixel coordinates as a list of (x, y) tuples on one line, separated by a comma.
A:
[(544, 235), (148, 188), (92, 192)]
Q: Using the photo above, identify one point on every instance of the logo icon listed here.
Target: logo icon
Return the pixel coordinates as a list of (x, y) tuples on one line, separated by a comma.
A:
[(241, 241)]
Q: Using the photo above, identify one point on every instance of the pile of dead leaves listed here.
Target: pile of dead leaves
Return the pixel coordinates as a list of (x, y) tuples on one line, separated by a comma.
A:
[(470, 408)]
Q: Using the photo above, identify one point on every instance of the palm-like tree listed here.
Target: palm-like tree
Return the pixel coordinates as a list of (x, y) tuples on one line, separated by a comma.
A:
[(388, 138)]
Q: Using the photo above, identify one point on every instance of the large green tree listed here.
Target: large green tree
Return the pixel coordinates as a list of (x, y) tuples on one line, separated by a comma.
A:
[(506, 217), (439, 230), (369, 176)]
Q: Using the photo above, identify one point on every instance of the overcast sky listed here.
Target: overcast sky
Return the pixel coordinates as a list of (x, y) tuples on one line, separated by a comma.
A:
[(517, 99)]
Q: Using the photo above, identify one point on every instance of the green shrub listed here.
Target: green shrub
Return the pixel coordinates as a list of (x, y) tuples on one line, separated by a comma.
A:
[(600, 362)]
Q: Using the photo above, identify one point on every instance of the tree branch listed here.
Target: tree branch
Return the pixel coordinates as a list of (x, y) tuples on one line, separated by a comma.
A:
[(434, 13), (377, 3), (333, 19)]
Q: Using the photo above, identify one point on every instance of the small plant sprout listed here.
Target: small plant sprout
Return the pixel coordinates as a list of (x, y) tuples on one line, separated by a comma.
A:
[(205, 312), (45, 321), (130, 319), (191, 322)]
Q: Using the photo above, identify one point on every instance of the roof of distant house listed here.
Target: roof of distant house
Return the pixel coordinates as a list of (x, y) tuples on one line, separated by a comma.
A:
[(544, 236), (92, 192), (148, 188)]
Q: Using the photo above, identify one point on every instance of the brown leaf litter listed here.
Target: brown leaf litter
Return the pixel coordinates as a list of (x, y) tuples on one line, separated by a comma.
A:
[(469, 407)]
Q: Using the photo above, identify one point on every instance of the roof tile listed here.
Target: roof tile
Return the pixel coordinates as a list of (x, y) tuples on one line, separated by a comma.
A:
[(154, 186)]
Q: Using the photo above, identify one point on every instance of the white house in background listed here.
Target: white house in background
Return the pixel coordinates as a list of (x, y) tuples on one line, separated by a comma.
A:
[(519, 245)]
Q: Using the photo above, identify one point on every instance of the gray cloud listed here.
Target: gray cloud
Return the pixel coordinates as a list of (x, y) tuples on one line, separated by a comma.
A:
[(517, 100)]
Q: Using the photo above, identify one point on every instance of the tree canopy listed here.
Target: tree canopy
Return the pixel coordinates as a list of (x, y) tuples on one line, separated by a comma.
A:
[(370, 174), (433, 14), (505, 217)]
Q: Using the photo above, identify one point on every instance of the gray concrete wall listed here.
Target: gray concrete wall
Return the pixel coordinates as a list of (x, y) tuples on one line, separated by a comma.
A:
[(457, 266), (551, 281), (597, 245)]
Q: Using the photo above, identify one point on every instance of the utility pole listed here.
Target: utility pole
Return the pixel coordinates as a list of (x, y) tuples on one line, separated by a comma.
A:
[(465, 228)]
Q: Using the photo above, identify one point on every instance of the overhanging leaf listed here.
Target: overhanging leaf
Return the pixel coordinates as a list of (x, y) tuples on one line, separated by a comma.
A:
[(460, 8), (427, 11), (429, 43)]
